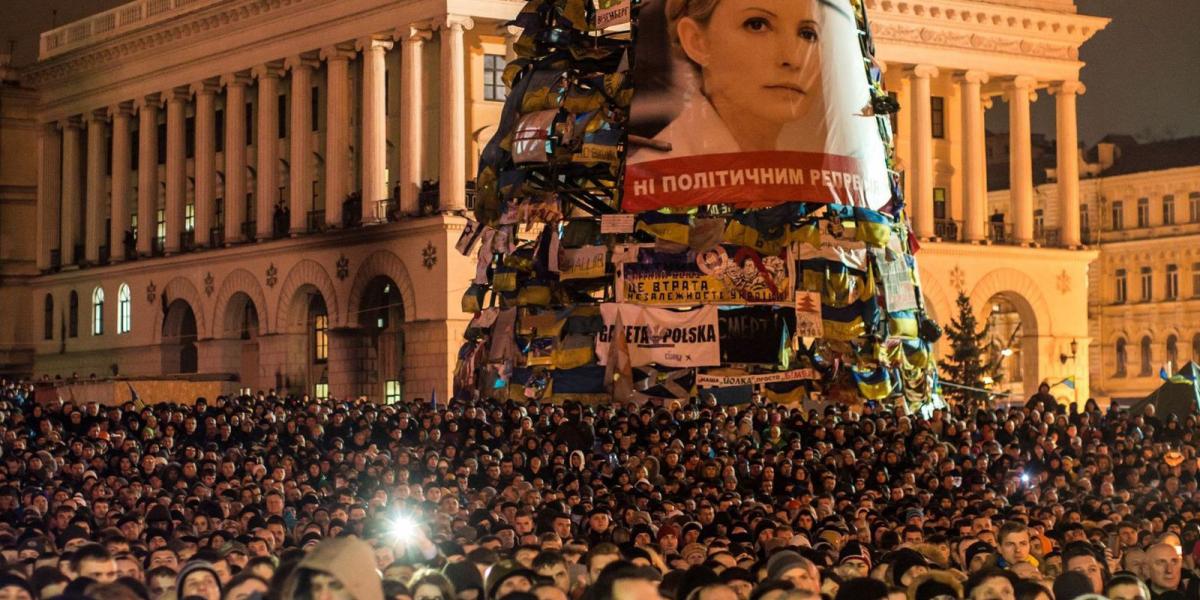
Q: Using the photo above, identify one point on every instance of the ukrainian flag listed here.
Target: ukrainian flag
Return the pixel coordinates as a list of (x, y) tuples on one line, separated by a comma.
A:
[(902, 324), (874, 227), (669, 227), (873, 384)]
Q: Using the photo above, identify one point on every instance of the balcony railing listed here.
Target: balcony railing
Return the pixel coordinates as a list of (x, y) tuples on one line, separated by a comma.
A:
[(216, 235), (947, 230), (55, 259), (114, 22), (187, 241)]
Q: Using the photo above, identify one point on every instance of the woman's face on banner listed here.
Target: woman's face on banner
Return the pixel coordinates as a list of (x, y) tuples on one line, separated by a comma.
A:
[(759, 56)]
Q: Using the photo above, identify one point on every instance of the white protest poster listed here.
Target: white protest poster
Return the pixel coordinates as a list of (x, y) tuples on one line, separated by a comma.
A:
[(582, 263), (662, 336)]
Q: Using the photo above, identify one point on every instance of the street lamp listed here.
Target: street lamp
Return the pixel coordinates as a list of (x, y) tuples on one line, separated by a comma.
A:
[(1062, 358)]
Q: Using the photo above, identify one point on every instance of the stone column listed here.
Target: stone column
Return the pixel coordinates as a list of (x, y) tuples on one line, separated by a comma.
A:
[(176, 171), (205, 160), (922, 148), (1068, 161), (374, 127), (267, 146), (300, 142), (147, 173), (97, 185), (412, 119), (974, 157), (1020, 174), (452, 171), (71, 194), (48, 192), (121, 157), (235, 155), (337, 131)]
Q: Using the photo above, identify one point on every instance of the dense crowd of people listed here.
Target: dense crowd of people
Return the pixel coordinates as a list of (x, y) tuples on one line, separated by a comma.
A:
[(279, 497)]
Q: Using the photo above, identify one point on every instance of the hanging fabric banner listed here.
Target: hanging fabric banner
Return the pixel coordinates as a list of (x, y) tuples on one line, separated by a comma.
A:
[(713, 277), (581, 263), (703, 380), (660, 336), (716, 119)]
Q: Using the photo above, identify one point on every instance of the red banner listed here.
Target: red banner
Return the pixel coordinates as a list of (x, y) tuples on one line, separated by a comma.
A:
[(770, 178)]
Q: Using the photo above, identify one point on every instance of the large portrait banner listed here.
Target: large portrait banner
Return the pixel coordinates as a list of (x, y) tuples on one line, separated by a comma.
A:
[(751, 103)]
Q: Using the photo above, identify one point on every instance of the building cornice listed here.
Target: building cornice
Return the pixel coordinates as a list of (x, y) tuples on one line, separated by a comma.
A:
[(984, 27)]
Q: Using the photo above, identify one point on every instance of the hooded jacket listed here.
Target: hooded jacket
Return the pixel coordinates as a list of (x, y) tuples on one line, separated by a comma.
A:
[(348, 559)]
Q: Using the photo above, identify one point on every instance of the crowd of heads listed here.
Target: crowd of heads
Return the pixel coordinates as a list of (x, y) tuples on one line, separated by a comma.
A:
[(270, 496)]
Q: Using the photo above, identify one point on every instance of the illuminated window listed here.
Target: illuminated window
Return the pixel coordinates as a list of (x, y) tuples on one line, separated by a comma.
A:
[(124, 309), (321, 391), (392, 391), (189, 217), (493, 78), (939, 203), (98, 311), (321, 338)]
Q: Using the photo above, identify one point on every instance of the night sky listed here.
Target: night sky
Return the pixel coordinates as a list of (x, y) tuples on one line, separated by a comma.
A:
[(1142, 73)]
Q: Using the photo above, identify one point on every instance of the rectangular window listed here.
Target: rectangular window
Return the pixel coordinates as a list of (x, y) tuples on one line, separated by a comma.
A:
[(219, 124), (937, 114), (493, 78), (135, 149), (1120, 287), (391, 391), (108, 156), (314, 109), (1085, 225), (1169, 209), (162, 143), (249, 123), (321, 391), (1172, 282), (281, 116), (1039, 223), (189, 136), (321, 338), (133, 222), (160, 226), (1118, 215), (1194, 207), (939, 203), (895, 116), (189, 216), (1196, 280), (1143, 212), (1147, 284)]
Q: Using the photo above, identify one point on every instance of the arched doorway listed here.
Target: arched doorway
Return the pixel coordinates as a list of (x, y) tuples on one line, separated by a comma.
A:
[(240, 323), (179, 338), (379, 368), (304, 326), (1012, 340)]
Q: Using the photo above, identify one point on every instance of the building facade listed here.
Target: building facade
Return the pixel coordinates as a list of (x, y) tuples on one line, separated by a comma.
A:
[(1140, 207), (269, 191)]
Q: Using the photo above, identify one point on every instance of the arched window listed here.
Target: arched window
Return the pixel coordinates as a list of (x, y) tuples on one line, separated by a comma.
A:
[(1122, 357), (1173, 351), (1146, 358), (48, 318), (98, 311), (124, 309), (319, 317), (73, 315)]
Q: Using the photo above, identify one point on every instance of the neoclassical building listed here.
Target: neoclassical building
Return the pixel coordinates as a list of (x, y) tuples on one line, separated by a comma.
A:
[(268, 192), (1140, 205)]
